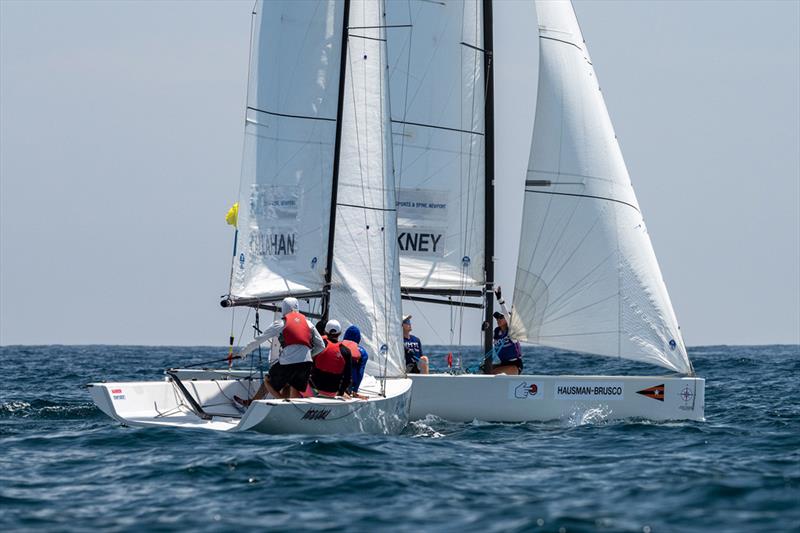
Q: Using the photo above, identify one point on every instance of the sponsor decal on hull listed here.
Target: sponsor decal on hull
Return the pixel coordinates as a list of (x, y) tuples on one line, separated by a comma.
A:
[(589, 390), (117, 394), (316, 414), (524, 390), (687, 395), (656, 393)]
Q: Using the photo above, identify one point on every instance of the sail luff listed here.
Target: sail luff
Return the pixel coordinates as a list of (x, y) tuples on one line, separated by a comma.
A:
[(587, 277)]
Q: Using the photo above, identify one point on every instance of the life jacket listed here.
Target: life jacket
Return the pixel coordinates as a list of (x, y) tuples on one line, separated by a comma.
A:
[(355, 352), (506, 349), (295, 330), (330, 359)]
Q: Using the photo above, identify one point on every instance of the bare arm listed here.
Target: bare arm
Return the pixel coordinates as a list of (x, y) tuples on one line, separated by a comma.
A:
[(273, 330)]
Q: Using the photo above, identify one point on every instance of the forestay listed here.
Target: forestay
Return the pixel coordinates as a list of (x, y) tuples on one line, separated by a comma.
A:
[(587, 277), (289, 148), (438, 96), (365, 283)]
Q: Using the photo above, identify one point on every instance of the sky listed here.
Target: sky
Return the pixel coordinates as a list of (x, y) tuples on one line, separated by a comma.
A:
[(121, 130)]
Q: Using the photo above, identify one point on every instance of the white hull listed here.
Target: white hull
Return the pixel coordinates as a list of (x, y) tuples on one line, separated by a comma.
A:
[(503, 398), (161, 403)]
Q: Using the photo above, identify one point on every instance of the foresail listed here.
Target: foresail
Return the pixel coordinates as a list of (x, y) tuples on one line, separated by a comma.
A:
[(290, 134), (587, 277), (437, 80), (365, 283)]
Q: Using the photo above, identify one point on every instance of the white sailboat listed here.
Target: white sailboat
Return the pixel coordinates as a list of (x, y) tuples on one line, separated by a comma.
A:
[(587, 277), (319, 223)]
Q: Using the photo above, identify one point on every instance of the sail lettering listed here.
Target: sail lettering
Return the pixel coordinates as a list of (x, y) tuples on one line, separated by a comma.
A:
[(412, 241), (272, 244)]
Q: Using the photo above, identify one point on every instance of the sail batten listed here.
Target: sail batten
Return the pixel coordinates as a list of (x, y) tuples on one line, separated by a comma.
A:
[(587, 278)]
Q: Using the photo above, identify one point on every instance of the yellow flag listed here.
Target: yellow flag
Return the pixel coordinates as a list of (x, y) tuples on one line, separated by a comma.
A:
[(232, 217)]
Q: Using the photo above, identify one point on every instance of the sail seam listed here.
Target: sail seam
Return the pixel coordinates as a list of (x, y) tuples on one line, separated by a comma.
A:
[(587, 196), (366, 207), (287, 115), (457, 130)]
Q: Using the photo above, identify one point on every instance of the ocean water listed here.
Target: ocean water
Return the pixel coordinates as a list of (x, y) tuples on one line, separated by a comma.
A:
[(65, 466)]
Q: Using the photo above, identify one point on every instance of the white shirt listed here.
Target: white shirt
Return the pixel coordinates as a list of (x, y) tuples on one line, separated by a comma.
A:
[(294, 353)]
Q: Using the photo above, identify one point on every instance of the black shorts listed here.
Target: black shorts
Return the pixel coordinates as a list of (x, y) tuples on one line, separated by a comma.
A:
[(295, 374), (412, 368), (514, 362), (325, 381)]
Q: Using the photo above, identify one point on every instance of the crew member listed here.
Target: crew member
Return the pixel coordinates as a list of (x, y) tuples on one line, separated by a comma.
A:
[(351, 338), (299, 342), (416, 362), (505, 347), (332, 372)]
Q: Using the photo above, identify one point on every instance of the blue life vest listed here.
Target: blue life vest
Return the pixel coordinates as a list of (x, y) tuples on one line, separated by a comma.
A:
[(359, 363), (506, 349)]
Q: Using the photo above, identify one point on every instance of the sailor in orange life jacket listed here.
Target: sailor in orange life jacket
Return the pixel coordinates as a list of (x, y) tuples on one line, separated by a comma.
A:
[(332, 370), (299, 342)]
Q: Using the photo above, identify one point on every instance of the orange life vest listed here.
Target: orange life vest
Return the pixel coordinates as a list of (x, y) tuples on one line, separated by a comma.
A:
[(354, 351), (295, 330), (330, 359)]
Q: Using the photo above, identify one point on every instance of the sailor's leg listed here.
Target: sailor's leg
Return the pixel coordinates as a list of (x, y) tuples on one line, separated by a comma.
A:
[(423, 364), (511, 370)]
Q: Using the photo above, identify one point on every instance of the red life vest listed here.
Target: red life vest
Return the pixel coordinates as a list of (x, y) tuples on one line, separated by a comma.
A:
[(295, 330), (354, 351), (330, 359)]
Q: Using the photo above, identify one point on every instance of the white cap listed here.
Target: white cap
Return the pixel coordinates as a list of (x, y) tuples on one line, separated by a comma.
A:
[(407, 318), (333, 327), (288, 305)]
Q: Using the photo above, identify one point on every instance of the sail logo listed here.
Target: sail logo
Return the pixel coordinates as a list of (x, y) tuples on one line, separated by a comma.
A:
[(656, 393), (420, 242), (523, 390), (316, 414), (273, 244), (589, 390)]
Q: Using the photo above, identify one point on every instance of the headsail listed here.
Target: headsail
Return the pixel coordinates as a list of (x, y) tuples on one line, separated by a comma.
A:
[(587, 277), (365, 283), (438, 83), (289, 149)]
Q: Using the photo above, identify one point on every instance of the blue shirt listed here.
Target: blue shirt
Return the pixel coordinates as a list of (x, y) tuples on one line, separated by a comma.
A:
[(413, 348), (358, 369)]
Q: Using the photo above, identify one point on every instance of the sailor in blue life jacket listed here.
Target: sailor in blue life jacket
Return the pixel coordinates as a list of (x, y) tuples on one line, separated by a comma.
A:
[(416, 362), (505, 347), (351, 338), (299, 341)]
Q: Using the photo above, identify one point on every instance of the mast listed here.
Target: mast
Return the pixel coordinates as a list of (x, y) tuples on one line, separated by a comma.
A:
[(489, 173), (326, 298)]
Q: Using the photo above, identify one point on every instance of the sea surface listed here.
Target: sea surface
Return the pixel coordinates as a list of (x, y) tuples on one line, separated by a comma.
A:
[(65, 466)]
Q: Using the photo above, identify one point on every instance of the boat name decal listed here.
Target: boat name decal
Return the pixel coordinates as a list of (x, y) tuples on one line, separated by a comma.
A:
[(316, 414), (273, 244), (586, 390), (429, 242)]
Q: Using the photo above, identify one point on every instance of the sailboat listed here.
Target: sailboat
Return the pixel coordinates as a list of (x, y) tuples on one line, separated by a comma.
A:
[(587, 279), (318, 223)]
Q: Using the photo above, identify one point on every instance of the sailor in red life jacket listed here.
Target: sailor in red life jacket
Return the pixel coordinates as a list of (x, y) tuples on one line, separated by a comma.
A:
[(332, 370), (299, 342)]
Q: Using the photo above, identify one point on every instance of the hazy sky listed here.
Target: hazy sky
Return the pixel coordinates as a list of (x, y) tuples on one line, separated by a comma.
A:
[(121, 127)]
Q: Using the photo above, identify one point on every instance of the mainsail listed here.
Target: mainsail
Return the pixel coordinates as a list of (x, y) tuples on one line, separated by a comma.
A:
[(438, 95), (365, 283), (290, 131), (587, 277), (317, 134)]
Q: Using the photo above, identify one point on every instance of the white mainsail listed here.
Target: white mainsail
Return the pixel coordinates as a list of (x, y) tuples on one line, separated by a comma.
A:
[(365, 283), (587, 277), (438, 95), (289, 149)]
